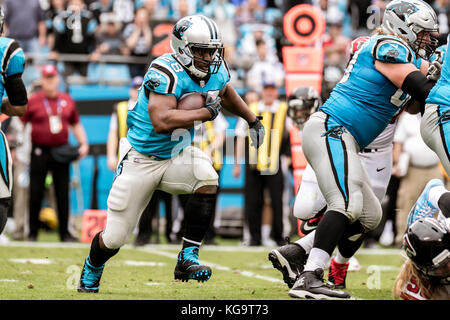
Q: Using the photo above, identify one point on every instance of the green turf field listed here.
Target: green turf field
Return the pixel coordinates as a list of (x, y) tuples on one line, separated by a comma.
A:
[(50, 270)]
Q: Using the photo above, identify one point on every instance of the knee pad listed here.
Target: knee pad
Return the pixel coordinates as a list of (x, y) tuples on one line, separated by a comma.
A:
[(304, 206), (114, 239)]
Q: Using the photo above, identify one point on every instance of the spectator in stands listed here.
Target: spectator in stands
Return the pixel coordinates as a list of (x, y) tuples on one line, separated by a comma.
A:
[(157, 9), (263, 166), (250, 11), (74, 33), (99, 7), (359, 15), (263, 68), (51, 114), (246, 48), (125, 10), (109, 39), (138, 37), (55, 7), (415, 163), (24, 22), (335, 44), (442, 8), (222, 12), (182, 8)]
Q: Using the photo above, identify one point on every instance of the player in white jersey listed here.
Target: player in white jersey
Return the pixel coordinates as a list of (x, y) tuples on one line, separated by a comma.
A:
[(425, 275), (157, 152)]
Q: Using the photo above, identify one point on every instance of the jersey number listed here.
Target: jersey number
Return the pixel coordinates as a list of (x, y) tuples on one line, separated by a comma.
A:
[(399, 98)]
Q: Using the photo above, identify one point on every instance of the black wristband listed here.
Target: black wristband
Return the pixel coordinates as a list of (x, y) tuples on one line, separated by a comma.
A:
[(417, 86)]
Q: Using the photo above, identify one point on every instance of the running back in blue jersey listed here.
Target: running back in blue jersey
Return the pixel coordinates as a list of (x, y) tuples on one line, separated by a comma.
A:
[(440, 94), (166, 76), (365, 101), (12, 60)]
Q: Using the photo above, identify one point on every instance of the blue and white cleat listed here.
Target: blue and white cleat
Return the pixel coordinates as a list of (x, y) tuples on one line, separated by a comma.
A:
[(423, 207), (188, 267), (90, 277)]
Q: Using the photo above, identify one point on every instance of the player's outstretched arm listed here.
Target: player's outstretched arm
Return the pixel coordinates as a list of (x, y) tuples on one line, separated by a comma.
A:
[(234, 103), (166, 118)]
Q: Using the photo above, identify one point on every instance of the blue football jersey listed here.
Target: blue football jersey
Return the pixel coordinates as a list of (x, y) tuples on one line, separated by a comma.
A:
[(365, 101), (12, 60), (440, 94), (166, 76)]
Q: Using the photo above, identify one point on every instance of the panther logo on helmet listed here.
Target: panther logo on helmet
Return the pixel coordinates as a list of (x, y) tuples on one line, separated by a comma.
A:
[(180, 28), (404, 7)]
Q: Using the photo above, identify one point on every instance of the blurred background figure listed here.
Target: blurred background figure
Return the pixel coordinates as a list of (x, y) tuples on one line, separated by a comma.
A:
[(51, 114), (138, 39), (74, 33), (24, 22), (261, 175)]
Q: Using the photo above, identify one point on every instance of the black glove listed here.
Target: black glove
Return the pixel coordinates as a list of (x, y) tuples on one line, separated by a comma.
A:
[(257, 132), (213, 105)]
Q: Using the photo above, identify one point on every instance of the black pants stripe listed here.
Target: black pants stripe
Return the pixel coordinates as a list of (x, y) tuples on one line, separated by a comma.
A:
[(41, 163)]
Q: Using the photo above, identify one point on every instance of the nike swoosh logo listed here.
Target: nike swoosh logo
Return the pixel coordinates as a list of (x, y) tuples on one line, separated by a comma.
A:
[(378, 170), (308, 228)]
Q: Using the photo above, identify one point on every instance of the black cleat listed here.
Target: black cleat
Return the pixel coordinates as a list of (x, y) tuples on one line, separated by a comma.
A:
[(309, 285), (188, 266), (90, 278), (289, 260)]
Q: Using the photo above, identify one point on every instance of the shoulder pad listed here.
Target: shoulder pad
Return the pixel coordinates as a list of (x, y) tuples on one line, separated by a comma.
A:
[(12, 59), (393, 50)]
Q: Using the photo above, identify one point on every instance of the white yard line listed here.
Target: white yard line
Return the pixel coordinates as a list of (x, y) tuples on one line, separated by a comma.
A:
[(178, 246), (216, 266)]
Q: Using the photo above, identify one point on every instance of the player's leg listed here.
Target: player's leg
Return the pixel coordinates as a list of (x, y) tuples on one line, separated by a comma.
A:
[(6, 181), (192, 172), (136, 178), (435, 131), (333, 152), (355, 234), (309, 204), (291, 258)]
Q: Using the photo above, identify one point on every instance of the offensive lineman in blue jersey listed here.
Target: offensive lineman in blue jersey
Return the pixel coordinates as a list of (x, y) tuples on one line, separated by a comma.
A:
[(156, 154), (435, 130), (376, 84), (12, 67), (435, 125)]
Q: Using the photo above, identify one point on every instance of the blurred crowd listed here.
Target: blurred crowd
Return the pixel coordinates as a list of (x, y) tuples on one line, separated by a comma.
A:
[(252, 33)]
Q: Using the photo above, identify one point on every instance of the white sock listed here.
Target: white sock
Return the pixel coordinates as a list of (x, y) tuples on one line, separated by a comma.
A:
[(435, 193), (318, 259), (307, 242), (340, 259)]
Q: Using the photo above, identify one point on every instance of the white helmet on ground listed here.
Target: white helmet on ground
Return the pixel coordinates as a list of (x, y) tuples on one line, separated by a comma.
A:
[(407, 19), (192, 37)]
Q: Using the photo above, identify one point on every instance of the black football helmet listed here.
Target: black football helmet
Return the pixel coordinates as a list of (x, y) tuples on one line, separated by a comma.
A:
[(302, 102), (427, 244)]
